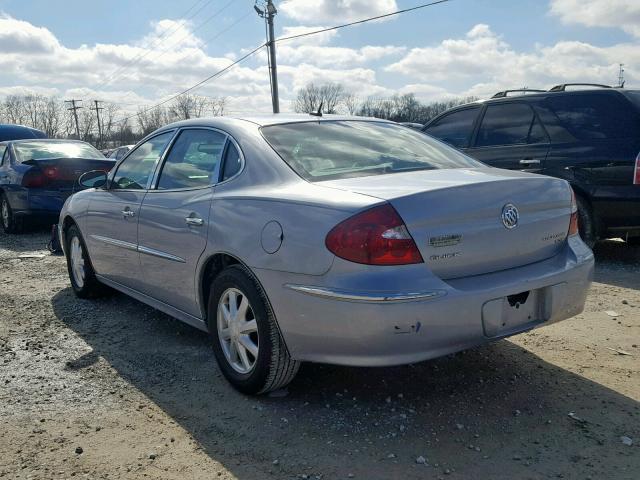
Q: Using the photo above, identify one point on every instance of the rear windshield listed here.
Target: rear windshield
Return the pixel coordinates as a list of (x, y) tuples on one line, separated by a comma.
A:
[(329, 150), (42, 150)]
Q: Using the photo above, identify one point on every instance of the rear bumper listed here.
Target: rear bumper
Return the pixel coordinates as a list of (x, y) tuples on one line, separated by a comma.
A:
[(359, 319), (38, 202)]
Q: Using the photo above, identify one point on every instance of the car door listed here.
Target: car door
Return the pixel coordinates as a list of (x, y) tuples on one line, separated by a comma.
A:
[(455, 128), (511, 136), (174, 217), (111, 227)]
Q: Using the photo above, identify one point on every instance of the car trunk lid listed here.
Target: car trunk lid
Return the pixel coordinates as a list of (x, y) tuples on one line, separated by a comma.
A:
[(474, 221), (63, 173)]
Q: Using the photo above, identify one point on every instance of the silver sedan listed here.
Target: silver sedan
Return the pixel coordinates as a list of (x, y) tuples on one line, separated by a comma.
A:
[(341, 240)]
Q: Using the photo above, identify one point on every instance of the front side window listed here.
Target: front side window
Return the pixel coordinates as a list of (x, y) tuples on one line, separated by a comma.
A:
[(26, 151), (328, 150), (192, 161), (455, 128), (136, 170)]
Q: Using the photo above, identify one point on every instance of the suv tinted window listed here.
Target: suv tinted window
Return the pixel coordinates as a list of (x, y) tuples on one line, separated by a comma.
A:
[(192, 161), (510, 124), (594, 116), (135, 171), (455, 128)]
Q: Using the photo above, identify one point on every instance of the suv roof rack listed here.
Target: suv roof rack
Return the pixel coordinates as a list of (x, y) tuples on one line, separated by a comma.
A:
[(505, 93), (563, 86)]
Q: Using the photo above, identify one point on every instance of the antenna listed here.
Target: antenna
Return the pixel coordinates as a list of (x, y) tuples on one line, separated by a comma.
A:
[(621, 76), (319, 112)]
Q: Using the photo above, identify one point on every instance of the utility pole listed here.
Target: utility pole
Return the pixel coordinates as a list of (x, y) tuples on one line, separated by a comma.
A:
[(97, 108), (268, 13), (621, 76), (75, 114)]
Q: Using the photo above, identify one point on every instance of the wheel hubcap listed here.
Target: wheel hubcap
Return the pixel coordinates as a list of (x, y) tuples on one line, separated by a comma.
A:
[(5, 213), (237, 330), (77, 262)]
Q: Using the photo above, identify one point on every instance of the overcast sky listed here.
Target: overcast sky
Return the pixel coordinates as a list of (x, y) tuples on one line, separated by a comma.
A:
[(136, 53)]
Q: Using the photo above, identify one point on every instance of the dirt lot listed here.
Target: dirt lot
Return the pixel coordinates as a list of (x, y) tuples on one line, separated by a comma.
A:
[(114, 389)]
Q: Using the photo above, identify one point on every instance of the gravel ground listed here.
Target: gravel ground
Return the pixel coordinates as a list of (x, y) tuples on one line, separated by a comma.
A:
[(114, 389)]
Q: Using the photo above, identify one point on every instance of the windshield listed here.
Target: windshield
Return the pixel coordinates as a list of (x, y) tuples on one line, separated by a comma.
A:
[(40, 150), (330, 150)]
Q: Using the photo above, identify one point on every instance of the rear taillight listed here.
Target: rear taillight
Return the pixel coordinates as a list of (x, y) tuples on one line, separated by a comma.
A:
[(34, 179), (52, 173), (374, 237), (636, 171), (573, 223)]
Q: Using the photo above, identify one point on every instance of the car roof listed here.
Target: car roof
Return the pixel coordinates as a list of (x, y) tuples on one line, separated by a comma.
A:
[(8, 131), (267, 119), (45, 140)]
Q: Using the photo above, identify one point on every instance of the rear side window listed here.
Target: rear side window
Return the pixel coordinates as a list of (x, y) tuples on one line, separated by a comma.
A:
[(510, 124), (231, 162), (455, 128), (193, 159), (595, 117)]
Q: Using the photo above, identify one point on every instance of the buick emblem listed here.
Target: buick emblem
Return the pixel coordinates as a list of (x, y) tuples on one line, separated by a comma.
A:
[(510, 216)]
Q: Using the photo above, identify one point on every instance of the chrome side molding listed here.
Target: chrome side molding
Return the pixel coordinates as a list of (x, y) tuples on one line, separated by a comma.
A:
[(366, 297)]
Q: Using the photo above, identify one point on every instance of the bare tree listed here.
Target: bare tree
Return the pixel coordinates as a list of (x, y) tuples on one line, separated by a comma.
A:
[(311, 97), (218, 105), (14, 109), (151, 119), (52, 118), (351, 103)]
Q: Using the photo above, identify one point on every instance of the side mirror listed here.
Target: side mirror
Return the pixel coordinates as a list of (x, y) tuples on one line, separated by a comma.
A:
[(93, 179)]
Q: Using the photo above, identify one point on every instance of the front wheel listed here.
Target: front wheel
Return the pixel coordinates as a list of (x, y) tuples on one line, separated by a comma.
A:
[(246, 341), (81, 274)]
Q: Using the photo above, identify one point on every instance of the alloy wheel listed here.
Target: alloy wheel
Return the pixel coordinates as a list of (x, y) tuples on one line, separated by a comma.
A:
[(77, 262), (237, 330)]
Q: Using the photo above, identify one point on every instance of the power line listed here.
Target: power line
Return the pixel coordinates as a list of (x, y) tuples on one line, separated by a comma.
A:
[(210, 39), (358, 22), (255, 50), (210, 77), (165, 35)]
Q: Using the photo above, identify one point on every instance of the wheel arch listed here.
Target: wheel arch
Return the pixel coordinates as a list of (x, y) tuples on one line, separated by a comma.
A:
[(211, 268)]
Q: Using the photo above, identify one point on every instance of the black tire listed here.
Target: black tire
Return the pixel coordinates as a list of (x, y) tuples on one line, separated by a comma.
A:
[(273, 367), (10, 224), (90, 287), (633, 241), (586, 222)]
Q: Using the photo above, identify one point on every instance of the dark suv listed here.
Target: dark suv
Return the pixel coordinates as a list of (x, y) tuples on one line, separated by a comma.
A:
[(591, 138)]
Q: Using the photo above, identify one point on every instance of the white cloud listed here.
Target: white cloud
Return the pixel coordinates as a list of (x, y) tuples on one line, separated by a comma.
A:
[(623, 14), (482, 63), (335, 11)]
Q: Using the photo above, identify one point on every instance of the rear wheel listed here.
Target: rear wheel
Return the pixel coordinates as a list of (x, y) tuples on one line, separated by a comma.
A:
[(81, 273), (586, 222), (10, 224), (246, 341)]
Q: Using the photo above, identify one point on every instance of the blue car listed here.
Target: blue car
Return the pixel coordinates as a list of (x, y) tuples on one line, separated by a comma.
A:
[(37, 176), (19, 132)]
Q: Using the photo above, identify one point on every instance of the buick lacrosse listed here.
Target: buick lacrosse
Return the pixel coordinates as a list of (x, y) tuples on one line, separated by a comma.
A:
[(341, 240)]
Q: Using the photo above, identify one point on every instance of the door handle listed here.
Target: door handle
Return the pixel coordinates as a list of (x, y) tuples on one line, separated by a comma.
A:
[(194, 221), (127, 212), (529, 161)]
